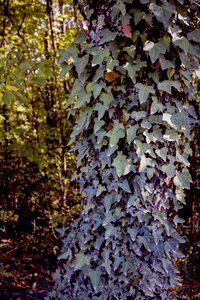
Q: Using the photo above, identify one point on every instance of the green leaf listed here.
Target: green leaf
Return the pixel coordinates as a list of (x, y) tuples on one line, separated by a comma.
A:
[(106, 98), (110, 231), (165, 64), (101, 109), (108, 201), (183, 43), (169, 169), (65, 255), (125, 186), (171, 135), (107, 36), (82, 99), (118, 260), (114, 138), (144, 92), (81, 63), (194, 36), (162, 13), (133, 233), (107, 262), (121, 164), (98, 124), (116, 133), (122, 7), (174, 120), (167, 85), (80, 260), (180, 195), (8, 97), (95, 278), (154, 49), (133, 69), (99, 55), (138, 115), (143, 163), (65, 70), (177, 220), (131, 51), (183, 179), (162, 153), (131, 133), (156, 106), (100, 190)]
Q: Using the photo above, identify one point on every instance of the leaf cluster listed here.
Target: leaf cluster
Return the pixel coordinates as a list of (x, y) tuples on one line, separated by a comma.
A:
[(134, 93)]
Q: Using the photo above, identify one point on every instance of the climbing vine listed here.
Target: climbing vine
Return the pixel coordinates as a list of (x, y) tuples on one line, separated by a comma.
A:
[(133, 62)]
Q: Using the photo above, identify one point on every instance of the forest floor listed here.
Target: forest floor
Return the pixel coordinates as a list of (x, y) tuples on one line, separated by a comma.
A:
[(24, 275)]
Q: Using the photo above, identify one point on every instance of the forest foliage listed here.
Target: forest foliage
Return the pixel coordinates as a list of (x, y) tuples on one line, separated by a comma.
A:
[(36, 192)]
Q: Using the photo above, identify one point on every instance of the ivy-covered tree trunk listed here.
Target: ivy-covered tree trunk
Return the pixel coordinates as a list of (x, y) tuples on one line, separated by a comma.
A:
[(134, 62)]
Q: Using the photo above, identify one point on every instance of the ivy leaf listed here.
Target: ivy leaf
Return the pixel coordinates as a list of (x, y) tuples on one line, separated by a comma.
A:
[(194, 36), (114, 138), (121, 164), (124, 185), (81, 64), (106, 98), (178, 220), (162, 153), (116, 133), (98, 124), (100, 190), (107, 36), (82, 99), (110, 231), (65, 255), (122, 7), (144, 92), (156, 106), (131, 133), (155, 52), (162, 13), (133, 233), (169, 169), (174, 120), (111, 64), (111, 76), (11, 88), (108, 201), (166, 64), (154, 49), (97, 88), (99, 55), (95, 278), (183, 43), (171, 135), (117, 261), (131, 51), (138, 115), (167, 85), (107, 262), (126, 29), (183, 179), (133, 69), (80, 260), (143, 163)]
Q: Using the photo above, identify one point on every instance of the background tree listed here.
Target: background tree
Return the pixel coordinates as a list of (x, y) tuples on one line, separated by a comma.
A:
[(36, 166), (134, 62)]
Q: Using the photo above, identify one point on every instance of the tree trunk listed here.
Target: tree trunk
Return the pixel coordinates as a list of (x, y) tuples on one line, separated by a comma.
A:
[(132, 147)]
